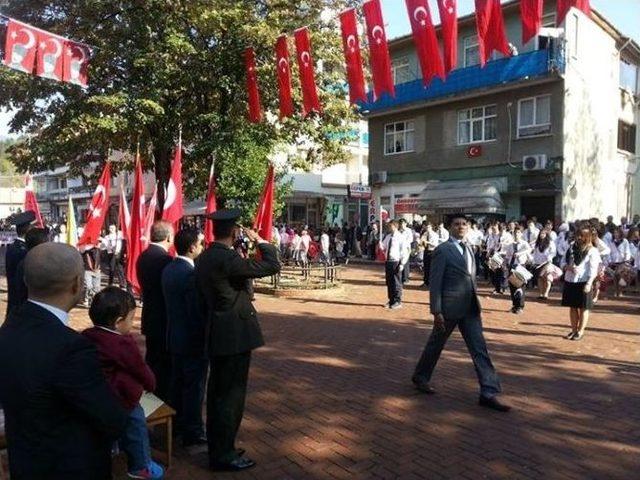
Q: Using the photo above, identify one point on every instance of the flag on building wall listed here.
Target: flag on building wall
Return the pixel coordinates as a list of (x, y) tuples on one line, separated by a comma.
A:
[(353, 56), (379, 57), (491, 32), (531, 13), (565, 5), (425, 40), (449, 21)]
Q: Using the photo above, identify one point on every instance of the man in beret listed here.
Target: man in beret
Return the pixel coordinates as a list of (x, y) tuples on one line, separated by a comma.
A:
[(223, 281)]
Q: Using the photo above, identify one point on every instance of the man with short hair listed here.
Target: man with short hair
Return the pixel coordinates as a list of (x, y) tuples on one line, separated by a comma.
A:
[(149, 267), (113, 244), (393, 246), (186, 331), (407, 234), (15, 253), (454, 302), (61, 416)]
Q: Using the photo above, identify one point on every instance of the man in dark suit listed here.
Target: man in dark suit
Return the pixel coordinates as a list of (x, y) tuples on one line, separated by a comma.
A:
[(149, 268), (186, 329), (223, 279), (61, 416), (454, 302), (14, 255)]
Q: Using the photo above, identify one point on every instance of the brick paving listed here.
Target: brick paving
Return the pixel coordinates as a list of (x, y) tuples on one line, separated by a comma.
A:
[(330, 395)]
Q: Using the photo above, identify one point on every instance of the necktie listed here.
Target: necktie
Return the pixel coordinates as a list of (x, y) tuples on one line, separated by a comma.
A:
[(467, 256)]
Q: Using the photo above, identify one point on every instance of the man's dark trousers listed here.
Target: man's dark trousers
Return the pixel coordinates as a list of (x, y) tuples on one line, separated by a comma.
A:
[(393, 278), (225, 404), (426, 266), (188, 377), (471, 330)]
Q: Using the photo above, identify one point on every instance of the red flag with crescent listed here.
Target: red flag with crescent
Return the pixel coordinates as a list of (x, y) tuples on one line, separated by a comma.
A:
[(353, 56), (310, 100), (30, 201), (263, 223), (211, 207), (531, 13), (124, 217), (21, 46), (565, 5), (491, 32), (426, 40), (98, 209), (253, 92), (284, 77), (50, 56), (380, 59), (172, 211), (136, 229), (449, 20), (76, 63)]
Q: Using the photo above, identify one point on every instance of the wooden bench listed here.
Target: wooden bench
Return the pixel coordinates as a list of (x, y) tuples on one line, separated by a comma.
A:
[(163, 416)]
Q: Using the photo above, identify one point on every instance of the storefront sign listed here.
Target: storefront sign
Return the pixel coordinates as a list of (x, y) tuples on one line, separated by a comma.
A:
[(357, 190), (406, 206)]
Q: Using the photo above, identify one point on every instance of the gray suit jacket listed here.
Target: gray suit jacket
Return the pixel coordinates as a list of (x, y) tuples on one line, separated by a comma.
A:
[(452, 287)]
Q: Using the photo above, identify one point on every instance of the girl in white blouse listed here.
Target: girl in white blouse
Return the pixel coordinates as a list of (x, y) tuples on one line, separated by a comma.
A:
[(583, 260), (620, 259), (543, 254)]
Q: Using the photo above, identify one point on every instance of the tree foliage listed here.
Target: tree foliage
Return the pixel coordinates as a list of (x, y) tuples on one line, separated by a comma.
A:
[(162, 64)]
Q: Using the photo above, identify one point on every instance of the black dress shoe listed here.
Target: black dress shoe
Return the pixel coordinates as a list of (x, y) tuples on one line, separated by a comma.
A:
[(493, 403), (196, 441), (423, 386), (237, 465)]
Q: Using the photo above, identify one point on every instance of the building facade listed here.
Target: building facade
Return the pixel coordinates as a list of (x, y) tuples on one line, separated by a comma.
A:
[(549, 132)]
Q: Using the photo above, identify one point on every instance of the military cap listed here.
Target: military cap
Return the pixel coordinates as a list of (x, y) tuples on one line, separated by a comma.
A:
[(23, 218), (226, 215)]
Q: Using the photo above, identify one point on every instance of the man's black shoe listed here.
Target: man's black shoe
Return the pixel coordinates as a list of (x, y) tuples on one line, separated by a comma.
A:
[(240, 463), (423, 386), (493, 403), (192, 442)]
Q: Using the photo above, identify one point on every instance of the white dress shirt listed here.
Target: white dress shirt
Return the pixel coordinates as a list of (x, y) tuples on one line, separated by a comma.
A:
[(324, 243), (545, 256), (620, 253), (468, 258), (394, 247), (60, 314), (586, 270), (187, 259)]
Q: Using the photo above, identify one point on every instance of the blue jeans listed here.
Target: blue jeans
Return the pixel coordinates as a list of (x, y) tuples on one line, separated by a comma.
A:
[(135, 441)]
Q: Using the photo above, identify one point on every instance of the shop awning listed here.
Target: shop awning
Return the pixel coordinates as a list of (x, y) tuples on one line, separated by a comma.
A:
[(460, 197)]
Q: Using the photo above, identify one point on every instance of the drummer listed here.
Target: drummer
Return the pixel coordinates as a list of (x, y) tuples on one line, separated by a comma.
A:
[(543, 255), (494, 247), (518, 254), (620, 259)]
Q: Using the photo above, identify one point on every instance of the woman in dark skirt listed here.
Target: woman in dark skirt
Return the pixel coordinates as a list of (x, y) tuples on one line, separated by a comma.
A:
[(583, 260)]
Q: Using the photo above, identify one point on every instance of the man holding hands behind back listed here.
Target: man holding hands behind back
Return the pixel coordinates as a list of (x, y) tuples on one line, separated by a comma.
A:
[(454, 302)]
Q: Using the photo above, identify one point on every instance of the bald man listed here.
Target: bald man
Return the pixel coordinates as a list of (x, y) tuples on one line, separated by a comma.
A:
[(61, 416)]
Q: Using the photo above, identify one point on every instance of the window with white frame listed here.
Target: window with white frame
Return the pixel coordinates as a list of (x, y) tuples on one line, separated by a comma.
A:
[(548, 21), (476, 125), (534, 116), (471, 51), (399, 137), (401, 70)]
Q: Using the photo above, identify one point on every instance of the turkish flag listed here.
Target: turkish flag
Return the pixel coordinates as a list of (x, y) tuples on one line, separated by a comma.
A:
[(378, 50), (310, 101), (531, 13), (76, 63), (284, 77), (491, 31), (212, 206), (425, 39), (136, 229), (352, 56), (565, 5), (172, 211), (124, 217), (149, 218), (263, 223), (50, 56), (20, 46), (449, 21), (253, 92), (98, 209), (30, 201)]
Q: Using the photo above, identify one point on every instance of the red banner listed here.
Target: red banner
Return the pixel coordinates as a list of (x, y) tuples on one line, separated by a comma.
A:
[(136, 230), (30, 201), (352, 56), (124, 217), (212, 206), (565, 5), (21, 46), (531, 13), (149, 218), (98, 209), (50, 57), (284, 77), (425, 39), (253, 92), (378, 50), (76, 63), (310, 100), (449, 22), (491, 31), (263, 223), (172, 210)]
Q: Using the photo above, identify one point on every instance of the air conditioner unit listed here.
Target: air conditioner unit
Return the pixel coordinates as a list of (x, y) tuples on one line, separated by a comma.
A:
[(534, 162), (378, 178)]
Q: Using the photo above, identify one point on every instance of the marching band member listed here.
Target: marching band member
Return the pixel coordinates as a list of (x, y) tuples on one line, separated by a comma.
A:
[(518, 253), (543, 255), (620, 258)]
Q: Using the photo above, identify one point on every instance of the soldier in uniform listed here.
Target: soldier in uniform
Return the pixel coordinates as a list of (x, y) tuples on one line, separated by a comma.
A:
[(223, 280), (15, 254)]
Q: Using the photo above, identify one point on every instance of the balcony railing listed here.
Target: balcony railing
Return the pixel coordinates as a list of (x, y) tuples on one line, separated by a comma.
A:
[(526, 66)]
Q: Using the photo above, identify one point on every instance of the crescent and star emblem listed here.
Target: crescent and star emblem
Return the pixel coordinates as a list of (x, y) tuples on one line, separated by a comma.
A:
[(378, 33), (351, 43), (306, 58), (425, 14), (30, 36), (450, 6), (283, 64)]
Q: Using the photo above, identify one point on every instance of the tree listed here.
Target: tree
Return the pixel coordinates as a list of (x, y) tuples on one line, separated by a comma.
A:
[(162, 64)]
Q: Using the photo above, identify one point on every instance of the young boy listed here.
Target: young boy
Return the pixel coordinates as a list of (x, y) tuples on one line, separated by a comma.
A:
[(112, 312)]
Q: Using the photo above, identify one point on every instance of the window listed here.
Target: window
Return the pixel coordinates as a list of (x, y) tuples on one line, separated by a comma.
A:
[(399, 137), (626, 137), (471, 51), (534, 116), (544, 42), (477, 125), (401, 70), (629, 74)]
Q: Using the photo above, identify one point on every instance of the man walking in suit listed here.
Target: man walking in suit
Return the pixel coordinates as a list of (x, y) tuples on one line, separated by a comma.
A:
[(454, 302), (186, 329), (149, 267), (61, 416), (14, 255), (223, 279)]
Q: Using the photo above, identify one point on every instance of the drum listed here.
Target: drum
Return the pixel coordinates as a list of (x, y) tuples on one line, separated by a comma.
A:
[(625, 274), (519, 277), (495, 261)]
